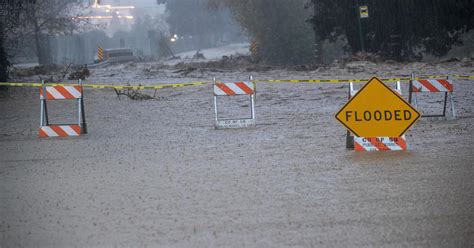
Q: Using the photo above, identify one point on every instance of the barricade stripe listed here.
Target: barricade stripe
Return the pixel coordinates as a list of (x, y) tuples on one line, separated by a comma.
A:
[(76, 128), (49, 95), (54, 93), (358, 147), (72, 130), (235, 88), (415, 89), (379, 145), (218, 91), (42, 132), (226, 89), (419, 86), (446, 84), (245, 87), (48, 132), (401, 142), (76, 91), (438, 85), (426, 84), (64, 92), (416, 86), (59, 131)]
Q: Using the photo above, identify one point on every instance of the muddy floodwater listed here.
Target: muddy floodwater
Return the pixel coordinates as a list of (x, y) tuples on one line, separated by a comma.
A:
[(155, 173)]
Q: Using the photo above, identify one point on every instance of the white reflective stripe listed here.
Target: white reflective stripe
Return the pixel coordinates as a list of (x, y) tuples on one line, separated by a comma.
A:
[(218, 91), (438, 85), (73, 91), (395, 148), (49, 132), (353, 92), (361, 143), (54, 93), (368, 146), (233, 86), (419, 86), (250, 85), (399, 148), (69, 130), (235, 89)]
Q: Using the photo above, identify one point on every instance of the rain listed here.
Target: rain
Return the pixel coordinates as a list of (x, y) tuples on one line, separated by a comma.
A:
[(250, 123)]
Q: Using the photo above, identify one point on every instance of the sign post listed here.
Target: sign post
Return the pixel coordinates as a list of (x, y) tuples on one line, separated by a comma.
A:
[(377, 111)]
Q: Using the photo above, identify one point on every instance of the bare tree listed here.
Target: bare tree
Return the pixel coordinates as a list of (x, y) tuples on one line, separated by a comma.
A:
[(279, 27), (41, 18), (9, 13)]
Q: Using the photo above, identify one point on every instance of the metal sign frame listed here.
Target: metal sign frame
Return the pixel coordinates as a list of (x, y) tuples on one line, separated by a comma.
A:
[(394, 94), (235, 123), (81, 116), (350, 139), (412, 97)]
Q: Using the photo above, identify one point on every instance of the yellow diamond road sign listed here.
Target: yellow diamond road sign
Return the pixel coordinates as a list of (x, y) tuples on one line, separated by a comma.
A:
[(377, 111)]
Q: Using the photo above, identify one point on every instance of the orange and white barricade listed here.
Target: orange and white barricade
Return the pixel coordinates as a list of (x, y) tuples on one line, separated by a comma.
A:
[(50, 93), (221, 89), (380, 144), (375, 143), (433, 86)]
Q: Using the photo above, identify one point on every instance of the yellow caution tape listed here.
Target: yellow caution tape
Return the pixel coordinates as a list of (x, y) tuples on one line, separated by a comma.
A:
[(464, 76), (445, 76), (21, 84), (99, 86), (433, 76), (356, 80), (326, 80), (163, 86), (142, 87)]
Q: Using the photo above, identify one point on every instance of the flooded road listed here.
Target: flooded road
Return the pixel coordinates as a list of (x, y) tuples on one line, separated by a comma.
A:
[(156, 173)]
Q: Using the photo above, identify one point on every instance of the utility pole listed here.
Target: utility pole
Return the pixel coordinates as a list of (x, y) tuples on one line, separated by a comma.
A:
[(318, 46)]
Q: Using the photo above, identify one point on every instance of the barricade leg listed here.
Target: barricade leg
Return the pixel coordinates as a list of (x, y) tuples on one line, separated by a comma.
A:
[(44, 120), (445, 103), (81, 111), (349, 137), (42, 112), (451, 97), (411, 96), (83, 123), (253, 98), (349, 141), (215, 103)]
